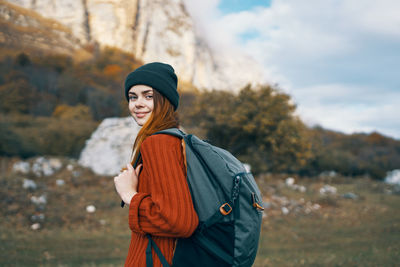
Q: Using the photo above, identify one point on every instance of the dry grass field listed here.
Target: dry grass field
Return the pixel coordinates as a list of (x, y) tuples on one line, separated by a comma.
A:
[(301, 227)]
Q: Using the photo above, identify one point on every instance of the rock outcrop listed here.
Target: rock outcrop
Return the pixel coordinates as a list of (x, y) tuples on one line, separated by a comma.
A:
[(110, 146), (153, 30)]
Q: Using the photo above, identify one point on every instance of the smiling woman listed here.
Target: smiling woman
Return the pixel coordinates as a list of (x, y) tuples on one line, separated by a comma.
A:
[(160, 204)]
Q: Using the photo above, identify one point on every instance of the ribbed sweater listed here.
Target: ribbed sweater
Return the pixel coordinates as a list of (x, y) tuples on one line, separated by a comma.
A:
[(163, 205)]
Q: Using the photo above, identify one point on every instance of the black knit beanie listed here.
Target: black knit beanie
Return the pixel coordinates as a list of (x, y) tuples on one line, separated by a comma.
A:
[(159, 76)]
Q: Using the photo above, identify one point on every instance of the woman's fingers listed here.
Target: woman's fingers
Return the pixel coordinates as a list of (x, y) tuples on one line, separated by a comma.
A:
[(138, 169), (130, 167)]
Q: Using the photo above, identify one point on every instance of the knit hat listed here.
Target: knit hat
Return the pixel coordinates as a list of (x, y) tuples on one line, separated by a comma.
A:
[(159, 76)]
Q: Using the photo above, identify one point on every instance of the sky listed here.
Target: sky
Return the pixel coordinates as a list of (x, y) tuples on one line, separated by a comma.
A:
[(338, 59)]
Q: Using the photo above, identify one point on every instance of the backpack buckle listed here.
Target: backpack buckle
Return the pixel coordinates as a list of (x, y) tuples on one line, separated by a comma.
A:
[(225, 209)]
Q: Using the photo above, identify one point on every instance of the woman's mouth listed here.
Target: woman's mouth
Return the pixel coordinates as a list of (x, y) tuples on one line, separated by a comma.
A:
[(140, 114)]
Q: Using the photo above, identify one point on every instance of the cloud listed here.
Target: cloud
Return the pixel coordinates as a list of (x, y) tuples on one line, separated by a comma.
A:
[(349, 108), (338, 59), (205, 13)]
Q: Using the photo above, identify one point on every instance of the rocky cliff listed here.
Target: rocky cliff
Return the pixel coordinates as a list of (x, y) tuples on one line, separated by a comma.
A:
[(153, 30)]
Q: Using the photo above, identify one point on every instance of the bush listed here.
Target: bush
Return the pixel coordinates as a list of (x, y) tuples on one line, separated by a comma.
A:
[(352, 155), (79, 112), (257, 126), (47, 136), (17, 96)]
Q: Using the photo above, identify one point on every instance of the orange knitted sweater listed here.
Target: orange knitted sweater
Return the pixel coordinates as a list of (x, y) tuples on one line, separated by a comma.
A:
[(163, 206)]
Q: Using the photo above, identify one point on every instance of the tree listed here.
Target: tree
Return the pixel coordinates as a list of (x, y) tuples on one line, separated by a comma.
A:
[(257, 126)]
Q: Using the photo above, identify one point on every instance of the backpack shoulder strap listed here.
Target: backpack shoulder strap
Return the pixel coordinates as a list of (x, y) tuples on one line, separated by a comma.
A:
[(172, 131)]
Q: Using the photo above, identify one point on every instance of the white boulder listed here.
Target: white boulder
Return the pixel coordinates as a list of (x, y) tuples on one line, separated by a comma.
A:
[(90, 208), (327, 190), (110, 146), (21, 167), (46, 166), (393, 177), (29, 184)]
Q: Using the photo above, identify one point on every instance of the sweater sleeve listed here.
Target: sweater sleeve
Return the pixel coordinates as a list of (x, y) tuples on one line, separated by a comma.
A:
[(167, 209)]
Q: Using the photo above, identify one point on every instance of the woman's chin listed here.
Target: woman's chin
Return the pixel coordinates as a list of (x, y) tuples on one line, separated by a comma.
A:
[(140, 121)]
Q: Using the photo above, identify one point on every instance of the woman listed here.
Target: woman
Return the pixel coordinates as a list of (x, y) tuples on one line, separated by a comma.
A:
[(156, 191)]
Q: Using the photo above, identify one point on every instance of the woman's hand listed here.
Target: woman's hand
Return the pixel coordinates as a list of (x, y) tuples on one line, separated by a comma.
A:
[(126, 183)]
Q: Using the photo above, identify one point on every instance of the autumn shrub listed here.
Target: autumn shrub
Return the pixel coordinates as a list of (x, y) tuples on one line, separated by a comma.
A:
[(27, 136), (257, 125), (79, 112), (351, 155), (113, 71), (17, 97), (57, 62)]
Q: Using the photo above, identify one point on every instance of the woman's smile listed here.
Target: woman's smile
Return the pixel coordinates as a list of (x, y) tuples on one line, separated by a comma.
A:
[(141, 114)]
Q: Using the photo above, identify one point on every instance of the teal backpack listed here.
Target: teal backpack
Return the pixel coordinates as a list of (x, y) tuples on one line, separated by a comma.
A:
[(228, 204)]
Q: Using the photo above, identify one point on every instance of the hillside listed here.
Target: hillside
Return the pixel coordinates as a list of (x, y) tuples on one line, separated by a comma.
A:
[(25, 29)]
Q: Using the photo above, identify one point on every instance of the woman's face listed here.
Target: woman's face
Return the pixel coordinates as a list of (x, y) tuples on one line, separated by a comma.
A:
[(141, 103)]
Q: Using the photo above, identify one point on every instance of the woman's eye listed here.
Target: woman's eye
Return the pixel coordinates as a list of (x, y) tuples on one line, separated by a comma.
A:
[(132, 97), (149, 96)]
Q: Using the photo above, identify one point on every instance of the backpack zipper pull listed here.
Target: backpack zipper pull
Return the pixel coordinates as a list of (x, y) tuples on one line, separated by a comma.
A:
[(255, 204)]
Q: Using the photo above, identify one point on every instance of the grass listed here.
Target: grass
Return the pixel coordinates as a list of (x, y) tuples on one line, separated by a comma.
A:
[(362, 232), (64, 248), (343, 232)]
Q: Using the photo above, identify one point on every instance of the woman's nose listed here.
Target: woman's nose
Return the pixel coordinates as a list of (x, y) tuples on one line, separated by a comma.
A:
[(139, 102)]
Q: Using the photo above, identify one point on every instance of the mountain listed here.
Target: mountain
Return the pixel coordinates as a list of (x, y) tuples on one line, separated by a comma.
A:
[(25, 29), (153, 30)]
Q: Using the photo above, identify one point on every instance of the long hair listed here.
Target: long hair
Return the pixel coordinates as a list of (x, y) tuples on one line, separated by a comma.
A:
[(162, 117)]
